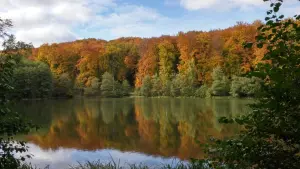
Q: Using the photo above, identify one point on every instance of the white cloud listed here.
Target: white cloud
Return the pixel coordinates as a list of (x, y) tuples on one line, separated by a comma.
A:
[(128, 20), (46, 34), (48, 21), (223, 5), (127, 15), (218, 4)]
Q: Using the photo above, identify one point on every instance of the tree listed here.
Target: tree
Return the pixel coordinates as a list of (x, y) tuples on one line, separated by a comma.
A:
[(220, 86), (32, 79), (11, 123), (168, 59), (202, 92), (271, 137), (93, 88), (146, 86), (126, 88), (107, 85), (63, 85), (156, 86), (176, 86), (166, 90)]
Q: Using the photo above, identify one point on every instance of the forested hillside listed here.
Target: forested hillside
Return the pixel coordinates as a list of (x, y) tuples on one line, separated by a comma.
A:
[(195, 63)]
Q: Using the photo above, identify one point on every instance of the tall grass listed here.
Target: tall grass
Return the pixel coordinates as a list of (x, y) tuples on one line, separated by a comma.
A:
[(116, 165)]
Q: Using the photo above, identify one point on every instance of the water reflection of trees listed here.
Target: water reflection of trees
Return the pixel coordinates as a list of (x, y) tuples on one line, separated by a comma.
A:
[(164, 126)]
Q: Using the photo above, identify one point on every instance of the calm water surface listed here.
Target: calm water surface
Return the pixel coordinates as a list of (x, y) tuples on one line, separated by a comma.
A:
[(151, 131)]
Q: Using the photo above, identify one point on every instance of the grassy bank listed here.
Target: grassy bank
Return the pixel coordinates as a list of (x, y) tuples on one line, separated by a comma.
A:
[(114, 165)]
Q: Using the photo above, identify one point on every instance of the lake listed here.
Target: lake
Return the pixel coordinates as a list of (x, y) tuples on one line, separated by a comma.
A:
[(152, 131)]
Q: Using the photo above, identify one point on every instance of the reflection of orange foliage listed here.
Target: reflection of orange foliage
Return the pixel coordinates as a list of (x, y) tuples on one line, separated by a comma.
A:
[(148, 132), (130, 131), (164, 136)]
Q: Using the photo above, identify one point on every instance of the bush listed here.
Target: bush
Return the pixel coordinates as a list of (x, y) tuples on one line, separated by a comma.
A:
[(175, 87), (94, 87), (32, 80), (166, 91), (126, 88), (156, 89), (187, 91), (137, 91), (107, 85), (221, 85), (245, 87), (63, 86), (146, 87), (202, 92)]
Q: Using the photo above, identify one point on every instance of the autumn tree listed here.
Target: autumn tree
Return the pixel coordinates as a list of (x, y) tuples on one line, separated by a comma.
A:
[(168, 60), (270, 137)]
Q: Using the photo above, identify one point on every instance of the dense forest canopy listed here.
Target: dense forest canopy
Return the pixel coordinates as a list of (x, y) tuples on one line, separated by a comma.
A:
[(175, 65)]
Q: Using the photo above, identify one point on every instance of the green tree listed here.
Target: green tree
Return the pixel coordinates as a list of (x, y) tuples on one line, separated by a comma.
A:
[(126, 88), (176, 86), (168, 58), (146, 86), (166, 90), (63, 86), (107, 85), (245, 87), (32, 79), (202, 92), (94, 87), (11, 123), (271, 137), (220, 86), (156, 86)]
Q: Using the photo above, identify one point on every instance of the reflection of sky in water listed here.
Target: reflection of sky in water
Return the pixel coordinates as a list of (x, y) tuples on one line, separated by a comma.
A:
[(63, 158)]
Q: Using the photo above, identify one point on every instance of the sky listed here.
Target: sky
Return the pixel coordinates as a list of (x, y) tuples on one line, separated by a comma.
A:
[(63, 158), (54, 21)]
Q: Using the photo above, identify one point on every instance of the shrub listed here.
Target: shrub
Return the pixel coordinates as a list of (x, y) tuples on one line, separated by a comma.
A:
[(221, 85), (108, 85), (166, 91), (187, 91), (146, 87), (202, 92), (63, 86), (175, 87), (125, 88), (242, 86), (94, 87), (156, 89)]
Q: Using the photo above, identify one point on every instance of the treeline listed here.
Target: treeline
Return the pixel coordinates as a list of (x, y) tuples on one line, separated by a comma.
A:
[(221, 86), (182, 65)]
